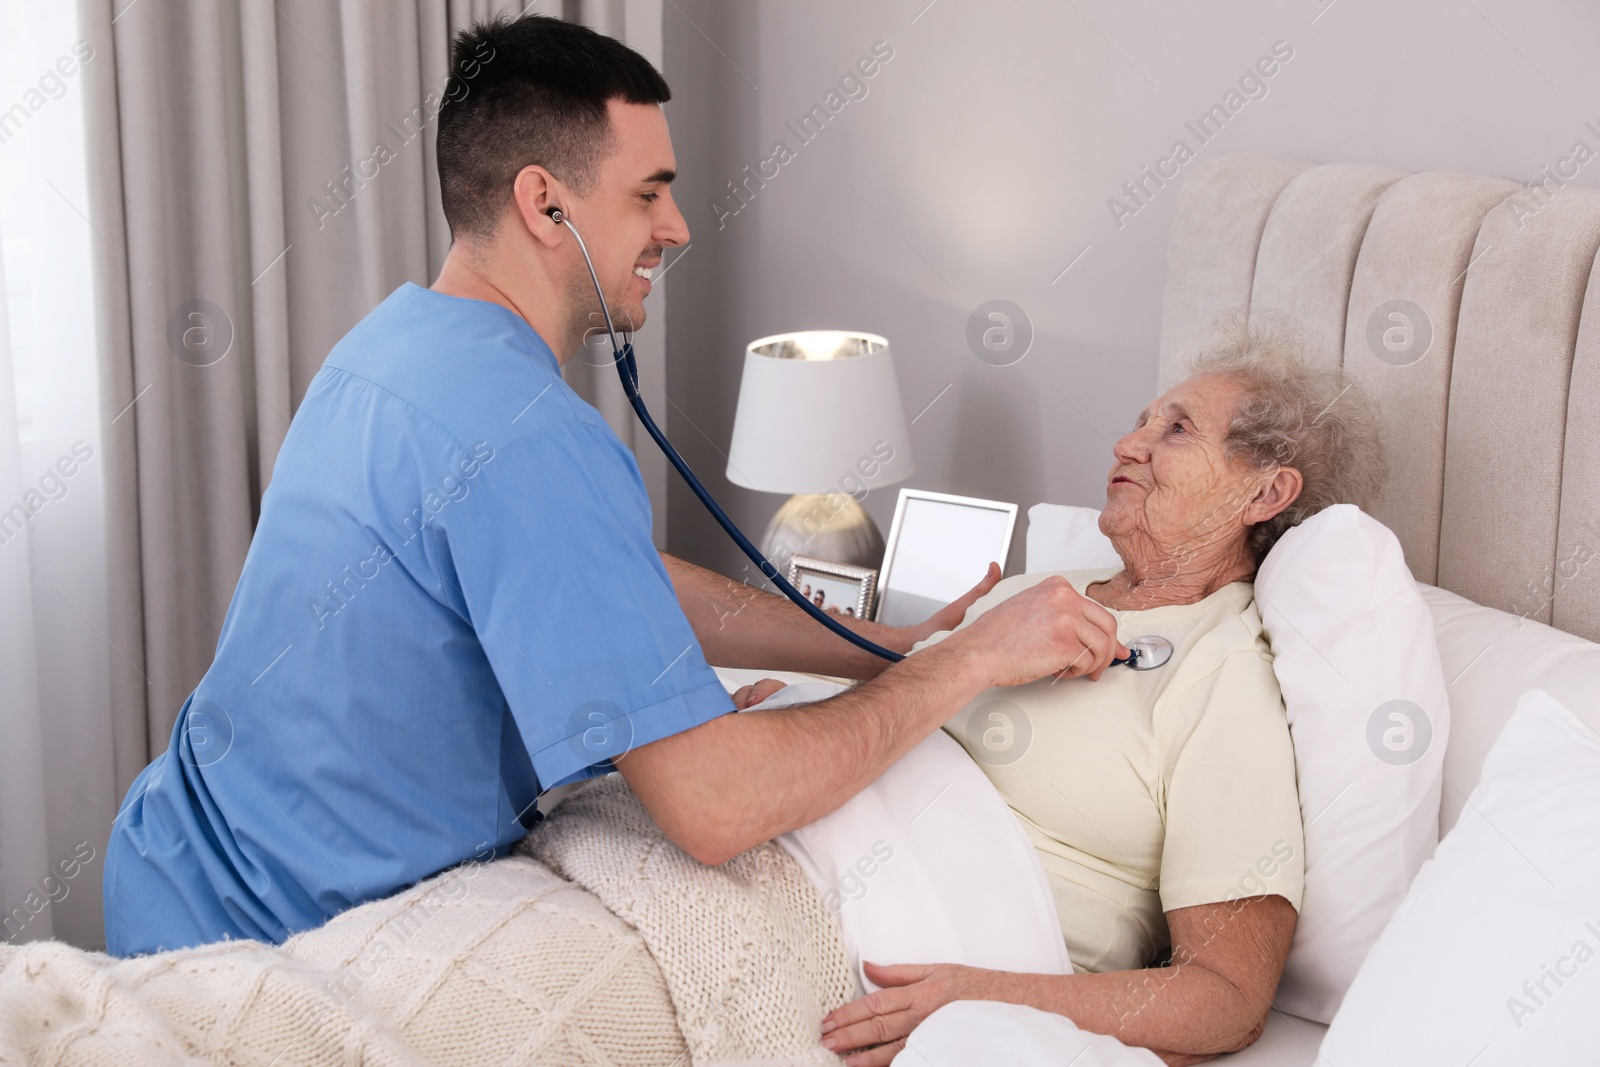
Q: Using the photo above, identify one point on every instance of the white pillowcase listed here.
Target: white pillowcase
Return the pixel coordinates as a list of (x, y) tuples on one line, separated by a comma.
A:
[(1354, 651), (1491, 658), (1350, 636), (1494, 958), (1065, 538)]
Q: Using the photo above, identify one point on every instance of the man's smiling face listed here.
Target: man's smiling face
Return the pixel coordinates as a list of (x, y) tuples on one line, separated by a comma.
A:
[(629, 218)]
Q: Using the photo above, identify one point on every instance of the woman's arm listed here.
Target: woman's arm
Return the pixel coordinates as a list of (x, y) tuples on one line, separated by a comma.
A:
[(1213, 998), (738, 625)]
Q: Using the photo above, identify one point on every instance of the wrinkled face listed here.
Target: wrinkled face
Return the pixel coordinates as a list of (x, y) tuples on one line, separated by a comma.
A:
[(1172, 487), (629, 217)]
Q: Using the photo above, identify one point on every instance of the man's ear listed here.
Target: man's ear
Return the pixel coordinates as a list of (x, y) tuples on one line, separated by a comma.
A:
[(1273, 495), (534, 193)]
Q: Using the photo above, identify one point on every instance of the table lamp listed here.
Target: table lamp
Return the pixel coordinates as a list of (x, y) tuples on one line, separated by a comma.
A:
[(820, 417)]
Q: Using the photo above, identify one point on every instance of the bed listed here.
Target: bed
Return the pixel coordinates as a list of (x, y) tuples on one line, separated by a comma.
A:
[(1458, 300)]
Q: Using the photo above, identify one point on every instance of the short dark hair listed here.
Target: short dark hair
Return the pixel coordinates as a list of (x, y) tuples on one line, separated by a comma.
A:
[(531, 90)]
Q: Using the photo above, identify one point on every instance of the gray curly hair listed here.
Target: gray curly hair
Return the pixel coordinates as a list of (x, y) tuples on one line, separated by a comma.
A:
[(1315, 419)]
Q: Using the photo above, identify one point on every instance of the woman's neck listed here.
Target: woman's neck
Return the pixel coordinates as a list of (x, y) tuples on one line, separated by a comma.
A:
[(1172, 579)]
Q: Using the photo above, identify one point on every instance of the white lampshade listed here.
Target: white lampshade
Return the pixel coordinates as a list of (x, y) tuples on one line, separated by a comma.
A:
[(819, 412)]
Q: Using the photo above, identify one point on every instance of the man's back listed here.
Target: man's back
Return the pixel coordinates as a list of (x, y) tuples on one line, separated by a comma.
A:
[(450, 598)]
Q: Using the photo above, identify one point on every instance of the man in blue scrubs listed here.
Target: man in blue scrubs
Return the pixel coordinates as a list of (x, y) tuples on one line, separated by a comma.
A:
[(452, 602)]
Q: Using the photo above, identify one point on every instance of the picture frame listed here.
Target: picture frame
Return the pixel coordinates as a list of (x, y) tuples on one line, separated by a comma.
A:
[(851, 589), (938, 548)]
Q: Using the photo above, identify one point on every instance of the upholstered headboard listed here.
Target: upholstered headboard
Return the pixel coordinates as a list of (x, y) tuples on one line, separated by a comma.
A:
[(1459, 302)]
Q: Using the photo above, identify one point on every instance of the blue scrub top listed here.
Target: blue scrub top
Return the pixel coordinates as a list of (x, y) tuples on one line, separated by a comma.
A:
[(451, 601)]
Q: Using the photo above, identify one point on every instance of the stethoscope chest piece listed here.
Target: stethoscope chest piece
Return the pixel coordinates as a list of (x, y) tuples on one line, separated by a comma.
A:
[(1147, 653)]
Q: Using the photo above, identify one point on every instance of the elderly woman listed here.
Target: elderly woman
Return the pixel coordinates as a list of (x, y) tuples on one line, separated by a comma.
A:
[(1162, 803)]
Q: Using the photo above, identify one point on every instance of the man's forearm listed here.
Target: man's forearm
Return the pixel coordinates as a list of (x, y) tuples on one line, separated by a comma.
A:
[(751, 776), (738, 780), (739, 625)]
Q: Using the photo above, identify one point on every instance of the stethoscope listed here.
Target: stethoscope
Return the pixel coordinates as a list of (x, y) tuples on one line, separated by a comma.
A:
[(1146, 653)]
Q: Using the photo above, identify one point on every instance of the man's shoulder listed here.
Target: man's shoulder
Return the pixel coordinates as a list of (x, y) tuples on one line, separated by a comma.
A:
[(475, 370)]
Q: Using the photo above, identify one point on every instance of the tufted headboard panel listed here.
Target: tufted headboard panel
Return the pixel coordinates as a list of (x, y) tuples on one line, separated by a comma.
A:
[(1470, 308)]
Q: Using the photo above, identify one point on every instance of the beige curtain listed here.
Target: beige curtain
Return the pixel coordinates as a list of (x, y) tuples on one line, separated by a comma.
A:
[(249, 220)]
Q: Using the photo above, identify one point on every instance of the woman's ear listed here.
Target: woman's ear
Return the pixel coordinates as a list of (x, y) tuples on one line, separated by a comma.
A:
[(1273, 495)]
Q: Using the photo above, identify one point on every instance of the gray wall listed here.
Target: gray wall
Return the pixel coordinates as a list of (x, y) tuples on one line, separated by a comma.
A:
[(980, 163)]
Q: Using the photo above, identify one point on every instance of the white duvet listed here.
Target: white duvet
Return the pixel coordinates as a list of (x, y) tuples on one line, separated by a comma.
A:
[(928, 865)]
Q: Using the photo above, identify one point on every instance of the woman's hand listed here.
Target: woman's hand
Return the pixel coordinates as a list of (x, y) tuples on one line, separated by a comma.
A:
[(879, 1023), (756, 692), (950, 616)]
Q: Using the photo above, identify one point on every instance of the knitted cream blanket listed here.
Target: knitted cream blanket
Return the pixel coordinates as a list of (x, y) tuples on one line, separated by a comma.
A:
[(751, 954), (497, 963)]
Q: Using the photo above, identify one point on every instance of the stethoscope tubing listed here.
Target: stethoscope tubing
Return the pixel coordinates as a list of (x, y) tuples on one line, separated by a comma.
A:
[(627, 371)]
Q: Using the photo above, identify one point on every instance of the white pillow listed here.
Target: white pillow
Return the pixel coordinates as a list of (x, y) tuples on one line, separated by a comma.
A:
[(1064, 538), (1354, 651), (1350, 635), (1490, 659), (1494, 958)]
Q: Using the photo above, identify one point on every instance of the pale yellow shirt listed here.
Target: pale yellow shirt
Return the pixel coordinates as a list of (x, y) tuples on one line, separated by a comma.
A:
[(1147, 791)]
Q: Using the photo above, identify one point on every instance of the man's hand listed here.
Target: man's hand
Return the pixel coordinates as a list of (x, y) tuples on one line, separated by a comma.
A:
[(950, 616), (1047, 629)]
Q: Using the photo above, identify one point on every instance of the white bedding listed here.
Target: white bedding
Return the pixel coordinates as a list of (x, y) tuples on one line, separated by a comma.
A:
[(928, 865)]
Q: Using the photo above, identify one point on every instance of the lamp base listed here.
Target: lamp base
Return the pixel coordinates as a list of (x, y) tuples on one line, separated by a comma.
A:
[(830, 526)]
